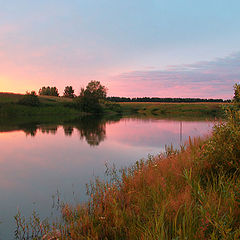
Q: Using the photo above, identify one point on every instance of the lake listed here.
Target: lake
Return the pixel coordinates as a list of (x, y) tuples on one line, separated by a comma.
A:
[(42, 161)]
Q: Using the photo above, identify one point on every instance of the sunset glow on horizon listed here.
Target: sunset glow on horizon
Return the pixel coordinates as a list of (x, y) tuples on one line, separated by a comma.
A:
[(135, 48)]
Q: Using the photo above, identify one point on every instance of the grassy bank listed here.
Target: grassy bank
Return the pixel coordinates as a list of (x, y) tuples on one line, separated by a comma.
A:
[(49, 108), (191, 193), (175, 110), (59, 106)]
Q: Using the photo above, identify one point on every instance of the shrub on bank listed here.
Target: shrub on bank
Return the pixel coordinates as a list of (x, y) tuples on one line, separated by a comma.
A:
[(30, 99), (114, 107), (88, 104)]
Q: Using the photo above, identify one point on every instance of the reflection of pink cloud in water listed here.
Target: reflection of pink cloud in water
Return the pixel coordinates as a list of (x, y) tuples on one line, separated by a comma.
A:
[(155, 132)]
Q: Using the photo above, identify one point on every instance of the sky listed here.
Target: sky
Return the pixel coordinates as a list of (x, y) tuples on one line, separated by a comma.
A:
[(136, 48)]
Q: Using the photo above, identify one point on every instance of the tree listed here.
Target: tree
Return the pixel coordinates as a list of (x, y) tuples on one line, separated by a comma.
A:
[(96, 90), (88, 100), (48, 91), (54, 92), (68, 92), (236, 97)]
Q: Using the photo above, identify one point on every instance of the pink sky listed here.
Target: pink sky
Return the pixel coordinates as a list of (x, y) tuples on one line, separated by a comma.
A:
[(135, 48), (212, 79)]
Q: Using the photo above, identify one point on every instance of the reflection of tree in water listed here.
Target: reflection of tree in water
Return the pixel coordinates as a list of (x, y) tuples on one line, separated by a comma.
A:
[(90, 128), (49, 129), (93, 129), (29, 129), (68, 130)]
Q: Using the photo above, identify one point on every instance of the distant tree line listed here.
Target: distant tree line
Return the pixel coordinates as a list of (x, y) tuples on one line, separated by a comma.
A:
[(53, 91), (163, 100)]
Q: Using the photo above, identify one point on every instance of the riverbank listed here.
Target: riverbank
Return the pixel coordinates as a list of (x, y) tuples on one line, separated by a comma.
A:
[(191, 193), (175, 110), (60, 107)]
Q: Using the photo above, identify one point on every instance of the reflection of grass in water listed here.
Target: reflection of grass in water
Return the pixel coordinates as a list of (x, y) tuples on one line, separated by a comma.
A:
[(15, 110), (191, 193), (22, 122), (149, 117)]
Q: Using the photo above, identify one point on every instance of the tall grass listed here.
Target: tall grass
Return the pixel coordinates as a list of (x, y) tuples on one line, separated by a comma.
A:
[(191, 193)]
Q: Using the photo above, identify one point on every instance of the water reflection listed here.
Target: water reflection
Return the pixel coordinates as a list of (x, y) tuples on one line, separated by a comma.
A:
[(49, 129), (29, 129), (91, 129), (54, 156), (68, 130)]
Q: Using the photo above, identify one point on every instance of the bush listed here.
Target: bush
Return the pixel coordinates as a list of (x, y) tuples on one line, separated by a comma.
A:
[(88, 104), (222, 151), (30, 99), (115, 107)]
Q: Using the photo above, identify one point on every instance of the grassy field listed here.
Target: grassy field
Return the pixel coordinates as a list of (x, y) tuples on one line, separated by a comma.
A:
[(175, 110), (50, 109), (191, 193), (14, 98)]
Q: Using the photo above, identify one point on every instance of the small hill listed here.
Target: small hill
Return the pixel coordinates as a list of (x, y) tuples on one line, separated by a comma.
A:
[(9, 97), (14, 97)]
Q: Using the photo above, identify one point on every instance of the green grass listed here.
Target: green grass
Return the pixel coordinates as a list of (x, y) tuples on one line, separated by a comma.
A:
[(175, 110), (10, 97), (191, 193), (13, 98), (50, 108), (13, 110)]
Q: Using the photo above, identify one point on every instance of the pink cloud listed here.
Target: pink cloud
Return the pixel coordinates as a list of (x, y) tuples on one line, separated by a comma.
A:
[(212, 79)]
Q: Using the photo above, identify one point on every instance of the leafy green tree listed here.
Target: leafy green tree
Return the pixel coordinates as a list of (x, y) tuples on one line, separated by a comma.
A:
[(88, 100), (236, 97), (96, 90), (69, 92)]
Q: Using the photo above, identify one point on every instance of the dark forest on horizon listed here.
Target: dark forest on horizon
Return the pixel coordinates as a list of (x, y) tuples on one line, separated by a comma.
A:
[(164, 100)]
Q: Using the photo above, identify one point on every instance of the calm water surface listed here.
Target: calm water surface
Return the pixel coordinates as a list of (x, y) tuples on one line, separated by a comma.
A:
[(40, 160)]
